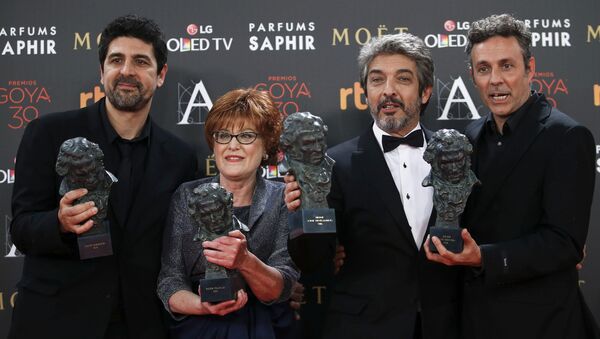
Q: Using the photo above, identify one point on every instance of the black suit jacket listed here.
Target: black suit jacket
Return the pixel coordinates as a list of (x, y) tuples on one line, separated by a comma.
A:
[(385, 280), (530, 217), (61, 296)]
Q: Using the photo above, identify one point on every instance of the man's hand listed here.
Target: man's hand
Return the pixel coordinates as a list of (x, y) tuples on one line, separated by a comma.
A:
[(71, 217), (292, 193), (579, 266), (338, 259), (297, 298), (470, 255), (230, 251)]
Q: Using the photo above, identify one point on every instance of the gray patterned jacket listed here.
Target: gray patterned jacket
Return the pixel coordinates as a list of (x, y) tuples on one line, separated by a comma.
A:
[(182, 258)]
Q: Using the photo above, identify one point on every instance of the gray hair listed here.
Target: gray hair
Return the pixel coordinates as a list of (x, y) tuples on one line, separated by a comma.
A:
[(504, 25), (403, 43)]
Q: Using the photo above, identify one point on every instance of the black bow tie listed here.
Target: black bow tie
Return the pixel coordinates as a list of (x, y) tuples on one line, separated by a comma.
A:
[(414, 139)]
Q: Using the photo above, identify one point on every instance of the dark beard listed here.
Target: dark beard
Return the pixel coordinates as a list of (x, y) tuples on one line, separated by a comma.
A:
[(129, 101)]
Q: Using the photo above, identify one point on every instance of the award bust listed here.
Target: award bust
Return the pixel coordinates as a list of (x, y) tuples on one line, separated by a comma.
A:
[(304, 142), (211, 207), (81, 162), (449, 154)]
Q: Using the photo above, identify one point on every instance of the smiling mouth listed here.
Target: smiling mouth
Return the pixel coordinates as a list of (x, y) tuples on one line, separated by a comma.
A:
[(233, 158)]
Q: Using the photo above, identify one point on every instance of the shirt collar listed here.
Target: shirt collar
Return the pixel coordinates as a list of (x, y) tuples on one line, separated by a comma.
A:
[(112, 135), (514, 118)]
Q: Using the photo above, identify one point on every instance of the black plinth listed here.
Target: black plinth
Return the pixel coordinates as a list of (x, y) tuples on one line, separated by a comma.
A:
[(96, 242), (450, 238), (311, 221)]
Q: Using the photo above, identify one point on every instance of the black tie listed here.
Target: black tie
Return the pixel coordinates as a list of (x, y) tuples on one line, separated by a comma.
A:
[(414, 139), (123, 189)]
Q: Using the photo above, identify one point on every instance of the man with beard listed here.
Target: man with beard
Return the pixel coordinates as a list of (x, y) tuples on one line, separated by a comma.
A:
[(386, 287), (111, 296)]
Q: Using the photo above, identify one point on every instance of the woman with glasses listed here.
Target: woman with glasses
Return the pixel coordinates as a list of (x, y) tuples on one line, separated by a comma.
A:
[(242, 129)]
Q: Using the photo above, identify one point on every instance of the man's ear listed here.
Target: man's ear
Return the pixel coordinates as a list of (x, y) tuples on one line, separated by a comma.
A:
[(531, 71), (426, 94), (161, 75), (472, 75)]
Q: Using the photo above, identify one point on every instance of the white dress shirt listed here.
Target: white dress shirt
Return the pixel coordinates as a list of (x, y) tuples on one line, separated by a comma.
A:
[(408, 170)]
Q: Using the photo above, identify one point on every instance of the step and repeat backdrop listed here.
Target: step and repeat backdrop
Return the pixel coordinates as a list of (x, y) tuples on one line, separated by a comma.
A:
[(302, 52)]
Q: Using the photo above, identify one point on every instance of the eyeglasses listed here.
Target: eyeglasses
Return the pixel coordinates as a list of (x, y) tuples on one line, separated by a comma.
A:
[(244, 138)]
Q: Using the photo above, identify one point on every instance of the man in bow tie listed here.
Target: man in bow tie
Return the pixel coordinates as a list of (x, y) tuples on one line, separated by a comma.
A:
[(386, 287)]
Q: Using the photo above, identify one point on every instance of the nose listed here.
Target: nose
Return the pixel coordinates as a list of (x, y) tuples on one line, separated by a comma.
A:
[(128, 68), (233, 143), (496, 77), (388, 89)]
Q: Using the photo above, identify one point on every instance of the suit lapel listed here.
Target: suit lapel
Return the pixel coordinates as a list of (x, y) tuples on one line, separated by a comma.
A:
[(473, 132), (503, 165), (96, 131), (369, 158)]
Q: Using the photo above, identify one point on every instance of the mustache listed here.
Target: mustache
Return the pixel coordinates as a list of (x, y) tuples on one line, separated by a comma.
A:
[(127, 80), (388, 100)]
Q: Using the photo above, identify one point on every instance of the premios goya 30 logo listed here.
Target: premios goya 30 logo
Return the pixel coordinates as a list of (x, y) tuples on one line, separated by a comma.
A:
[(22, 101), (289, 93), (551, 85)]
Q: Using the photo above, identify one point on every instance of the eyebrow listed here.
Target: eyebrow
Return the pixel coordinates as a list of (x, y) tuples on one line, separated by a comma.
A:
[(135, 56), (399, 71), (501, 61)]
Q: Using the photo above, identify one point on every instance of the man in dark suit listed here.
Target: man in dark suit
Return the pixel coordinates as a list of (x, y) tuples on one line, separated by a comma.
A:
[(386, 287), (61, 296), (528, 221)]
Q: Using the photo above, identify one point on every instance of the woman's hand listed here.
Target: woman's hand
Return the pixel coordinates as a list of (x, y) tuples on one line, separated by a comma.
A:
[(225, 307), (187, 302), (230, 251)]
